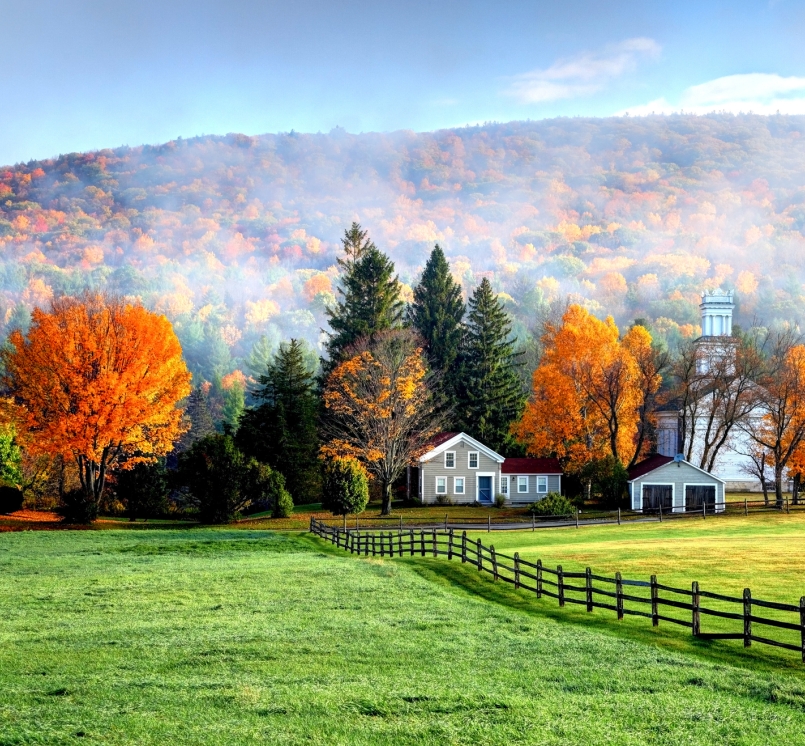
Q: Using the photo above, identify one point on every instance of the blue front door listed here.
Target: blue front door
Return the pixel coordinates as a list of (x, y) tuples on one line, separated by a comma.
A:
[(485, 489)]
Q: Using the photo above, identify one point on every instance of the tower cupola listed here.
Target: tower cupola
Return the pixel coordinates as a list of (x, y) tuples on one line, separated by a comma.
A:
[(716, 308)]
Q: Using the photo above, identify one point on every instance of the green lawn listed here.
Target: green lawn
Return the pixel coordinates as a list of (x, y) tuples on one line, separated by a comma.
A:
[(214, 636)]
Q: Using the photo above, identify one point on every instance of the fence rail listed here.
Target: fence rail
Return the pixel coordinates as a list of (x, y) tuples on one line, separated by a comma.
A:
[(564, 586), (588, 517)]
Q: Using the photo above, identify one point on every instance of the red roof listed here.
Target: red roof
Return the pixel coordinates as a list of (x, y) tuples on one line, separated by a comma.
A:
[(438, 439), (647, 465), (531, 466)]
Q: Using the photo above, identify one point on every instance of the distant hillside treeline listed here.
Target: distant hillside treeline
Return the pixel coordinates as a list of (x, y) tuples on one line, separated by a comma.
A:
[(235, 237)]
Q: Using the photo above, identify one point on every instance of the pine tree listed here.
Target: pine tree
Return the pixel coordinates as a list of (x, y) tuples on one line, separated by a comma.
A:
[(490, 395), (370, 293), (281, 431), (436, 313), (197, 414)]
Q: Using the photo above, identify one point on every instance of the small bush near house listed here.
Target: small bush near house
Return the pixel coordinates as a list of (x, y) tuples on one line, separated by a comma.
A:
[(552, 504), (10, 498), (345, 487), (500, 501), (444, 500)]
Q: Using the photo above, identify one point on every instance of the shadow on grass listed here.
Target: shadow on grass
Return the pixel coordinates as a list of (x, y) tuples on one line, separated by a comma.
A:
[(466, 578)]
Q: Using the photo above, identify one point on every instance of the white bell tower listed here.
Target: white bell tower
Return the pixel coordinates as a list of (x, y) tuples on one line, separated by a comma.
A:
[(716, 308)]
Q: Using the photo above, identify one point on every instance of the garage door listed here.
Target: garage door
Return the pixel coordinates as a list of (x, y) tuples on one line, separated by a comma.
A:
[(697, 495), (656, 496)]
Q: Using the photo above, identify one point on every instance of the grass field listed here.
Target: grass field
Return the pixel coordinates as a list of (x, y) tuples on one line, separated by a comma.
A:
[(216, 636)]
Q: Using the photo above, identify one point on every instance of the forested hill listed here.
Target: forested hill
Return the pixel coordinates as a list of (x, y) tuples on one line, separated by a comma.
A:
[(235, 237)]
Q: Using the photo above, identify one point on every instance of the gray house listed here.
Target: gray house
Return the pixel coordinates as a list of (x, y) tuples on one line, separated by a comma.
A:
[(460, 469), (675, 485)]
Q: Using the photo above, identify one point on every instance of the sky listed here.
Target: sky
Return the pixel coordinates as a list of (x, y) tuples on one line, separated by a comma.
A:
[(79, 75)]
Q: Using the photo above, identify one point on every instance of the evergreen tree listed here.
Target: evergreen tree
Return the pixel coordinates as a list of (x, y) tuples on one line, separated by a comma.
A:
[(490, 395), (370, 301), (197, 415), (436, 314), (281, 431)]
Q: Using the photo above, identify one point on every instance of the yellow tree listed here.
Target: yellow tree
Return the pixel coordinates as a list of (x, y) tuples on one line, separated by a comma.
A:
[(779, 430), (380, 407), (95, 380), (588, 392)]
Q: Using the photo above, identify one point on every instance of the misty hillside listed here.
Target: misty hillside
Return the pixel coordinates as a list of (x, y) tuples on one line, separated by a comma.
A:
[(235, 237)]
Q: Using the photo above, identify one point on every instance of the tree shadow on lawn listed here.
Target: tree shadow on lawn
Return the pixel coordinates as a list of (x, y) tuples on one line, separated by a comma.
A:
[(466, 578)]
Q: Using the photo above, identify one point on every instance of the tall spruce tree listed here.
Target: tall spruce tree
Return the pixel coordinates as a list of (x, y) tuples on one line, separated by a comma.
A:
[(490, 395), (436, 314), (281, 431), (197, 414), (370, 295)]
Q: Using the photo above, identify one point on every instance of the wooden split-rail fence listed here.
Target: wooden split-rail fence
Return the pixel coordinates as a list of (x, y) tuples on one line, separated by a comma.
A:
[(618, 594)]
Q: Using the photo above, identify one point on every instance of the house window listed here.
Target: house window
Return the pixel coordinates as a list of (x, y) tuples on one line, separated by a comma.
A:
[(473, 459), (542, 484), (449, 459), (458, 485), (522, 484), (504, 485), (441, 485)]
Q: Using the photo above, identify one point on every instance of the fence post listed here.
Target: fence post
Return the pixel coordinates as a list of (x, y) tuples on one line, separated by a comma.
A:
[(747, 618), (539, 578), (391, 543), (463, 547), (695, 600), (533, 521), (516, 569), (704, 510), (655, 595), (480, 557), (433, 539), (411, 536), (577, 517), (345, 521), (746, 507), (488, 523), (660, 512), (589, 588), (445, 520), (802, 625), (494, 562), (422, 541), (619, 516), (374, 545), (787, 509), (311, 523), (619, 595), (450, 544), (560, 585)]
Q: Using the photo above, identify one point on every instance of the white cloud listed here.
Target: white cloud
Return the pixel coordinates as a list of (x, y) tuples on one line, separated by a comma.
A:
[(581, 75), (761, 93)]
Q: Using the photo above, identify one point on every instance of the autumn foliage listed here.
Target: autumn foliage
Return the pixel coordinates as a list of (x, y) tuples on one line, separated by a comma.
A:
[(97, 381), (380, 407), (588, 392)]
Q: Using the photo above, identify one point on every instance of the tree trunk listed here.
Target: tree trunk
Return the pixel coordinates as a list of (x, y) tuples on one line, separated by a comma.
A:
[(778, 485), (795, 490), (386, 509)]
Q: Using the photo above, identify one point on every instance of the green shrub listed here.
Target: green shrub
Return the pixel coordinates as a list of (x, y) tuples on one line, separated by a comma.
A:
[(143, 490), (346, 486), (500, 500), (283, 504), (444, 500), (552, 504), (215, 471), (78, 508), (10, 498)]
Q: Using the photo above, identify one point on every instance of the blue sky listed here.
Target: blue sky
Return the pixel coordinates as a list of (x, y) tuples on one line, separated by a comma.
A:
[(83, 74)]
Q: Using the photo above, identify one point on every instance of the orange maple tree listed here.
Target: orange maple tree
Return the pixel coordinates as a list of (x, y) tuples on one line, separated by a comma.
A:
[(96, 380), (588, 391)]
